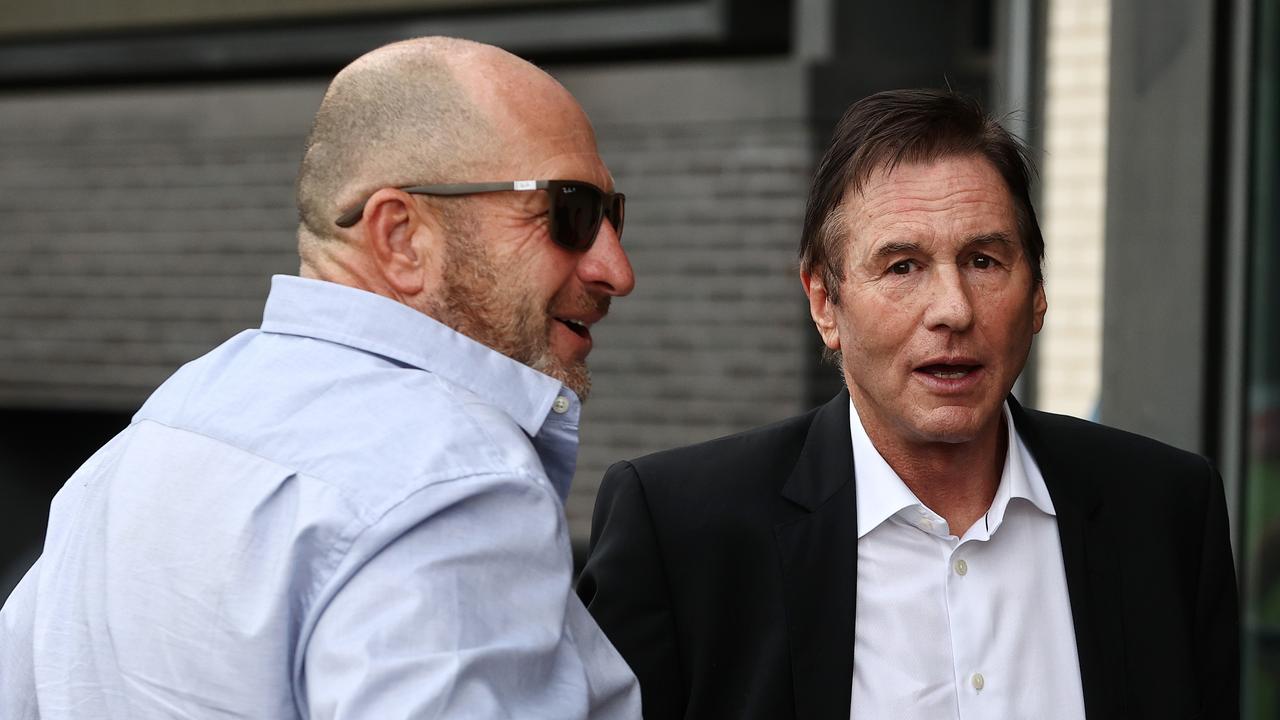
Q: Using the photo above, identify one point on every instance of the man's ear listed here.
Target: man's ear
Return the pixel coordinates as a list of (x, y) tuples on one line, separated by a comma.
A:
[(821, 307), (394, 227), (1040, 304)]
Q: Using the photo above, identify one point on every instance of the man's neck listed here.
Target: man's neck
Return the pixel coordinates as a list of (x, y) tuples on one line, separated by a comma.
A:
[(956, 480)]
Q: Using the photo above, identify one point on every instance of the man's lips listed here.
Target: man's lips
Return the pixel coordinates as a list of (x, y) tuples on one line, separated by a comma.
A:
[(580, 322), (579, 315), (949, 374), (579, 327), (948, 371)]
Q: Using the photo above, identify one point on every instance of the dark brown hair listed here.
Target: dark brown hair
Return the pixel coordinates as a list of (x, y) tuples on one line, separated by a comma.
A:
[(912, 126)]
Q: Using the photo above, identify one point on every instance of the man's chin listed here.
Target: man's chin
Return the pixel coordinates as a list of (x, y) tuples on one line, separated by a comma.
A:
[(575, 376), (951, 425)]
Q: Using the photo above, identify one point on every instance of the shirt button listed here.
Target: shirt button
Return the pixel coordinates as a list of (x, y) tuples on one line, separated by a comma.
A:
[(561, 405), (978, 681), (962, 567)]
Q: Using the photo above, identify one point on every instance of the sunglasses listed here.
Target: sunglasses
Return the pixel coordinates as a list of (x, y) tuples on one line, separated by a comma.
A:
[(576, 211)]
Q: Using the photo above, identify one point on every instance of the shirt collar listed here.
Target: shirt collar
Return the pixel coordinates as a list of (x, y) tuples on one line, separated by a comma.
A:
[(379, 325), (881, 494), (1021, 473)]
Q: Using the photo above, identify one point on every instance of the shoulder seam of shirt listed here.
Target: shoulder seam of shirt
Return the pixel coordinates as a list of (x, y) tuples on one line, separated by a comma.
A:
[(368, 514)]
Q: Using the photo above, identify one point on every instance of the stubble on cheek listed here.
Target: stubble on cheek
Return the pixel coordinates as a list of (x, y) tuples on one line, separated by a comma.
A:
[(489, 304), (477, 303)]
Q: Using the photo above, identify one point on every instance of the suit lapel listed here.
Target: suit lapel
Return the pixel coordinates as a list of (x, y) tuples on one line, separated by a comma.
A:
[(817, 539), (1093, 577)]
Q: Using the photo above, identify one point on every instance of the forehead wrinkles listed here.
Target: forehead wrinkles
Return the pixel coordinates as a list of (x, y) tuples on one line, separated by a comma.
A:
[(927, 194), (586, 166), (924, 201)]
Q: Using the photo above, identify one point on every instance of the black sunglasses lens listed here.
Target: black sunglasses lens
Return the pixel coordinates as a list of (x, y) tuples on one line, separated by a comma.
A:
[(616, 213), (576, 210)]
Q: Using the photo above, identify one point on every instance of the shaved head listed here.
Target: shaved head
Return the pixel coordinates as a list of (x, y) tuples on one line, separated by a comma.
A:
[(441, 111), (422, 111)]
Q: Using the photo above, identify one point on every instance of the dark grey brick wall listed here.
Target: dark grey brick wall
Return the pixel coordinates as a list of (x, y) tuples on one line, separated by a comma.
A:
[(142, 226), (140, 229), (715, 161)]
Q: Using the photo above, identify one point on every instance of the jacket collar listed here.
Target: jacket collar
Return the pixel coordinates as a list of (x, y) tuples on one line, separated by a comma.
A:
[(817, 540), (825, 464), (1088, 558)]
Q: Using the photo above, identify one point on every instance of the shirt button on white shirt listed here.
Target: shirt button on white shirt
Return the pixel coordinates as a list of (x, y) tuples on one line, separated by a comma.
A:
[(925, 625), (561, 405)]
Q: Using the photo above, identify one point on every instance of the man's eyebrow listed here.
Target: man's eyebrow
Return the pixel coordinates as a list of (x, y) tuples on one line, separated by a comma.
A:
[(995, 238), (904, 247), (894, 248)]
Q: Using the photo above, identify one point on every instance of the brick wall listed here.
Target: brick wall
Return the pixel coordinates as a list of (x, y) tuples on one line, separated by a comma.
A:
[(141, 229), (715, 159), (1073, 205)]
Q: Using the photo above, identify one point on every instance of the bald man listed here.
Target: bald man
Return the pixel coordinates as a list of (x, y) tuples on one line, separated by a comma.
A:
[(355, 511)]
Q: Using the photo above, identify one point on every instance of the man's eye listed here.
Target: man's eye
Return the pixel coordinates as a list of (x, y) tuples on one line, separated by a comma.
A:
[(982, 262), (900, 268)]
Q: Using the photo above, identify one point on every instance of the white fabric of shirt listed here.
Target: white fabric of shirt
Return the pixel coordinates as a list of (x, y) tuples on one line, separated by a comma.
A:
[(972, 627), (353, 512)]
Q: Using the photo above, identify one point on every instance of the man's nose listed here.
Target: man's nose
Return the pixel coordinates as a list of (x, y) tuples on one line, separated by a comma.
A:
[(605, 266), (950, 305)]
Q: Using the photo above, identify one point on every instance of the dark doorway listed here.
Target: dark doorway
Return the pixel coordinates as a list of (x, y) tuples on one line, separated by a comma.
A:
[(39, 450)]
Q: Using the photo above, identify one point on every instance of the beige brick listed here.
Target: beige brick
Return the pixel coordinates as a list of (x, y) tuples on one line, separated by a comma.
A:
[(1073, 204)]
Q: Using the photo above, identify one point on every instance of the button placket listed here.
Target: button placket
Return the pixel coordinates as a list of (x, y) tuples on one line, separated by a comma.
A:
[(966, 610)]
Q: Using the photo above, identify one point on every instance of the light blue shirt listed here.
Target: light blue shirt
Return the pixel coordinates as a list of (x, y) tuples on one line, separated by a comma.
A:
[(353, 512)]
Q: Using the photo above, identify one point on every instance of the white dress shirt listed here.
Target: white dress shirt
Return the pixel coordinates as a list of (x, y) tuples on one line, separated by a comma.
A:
[(354, 512), (976, 626)]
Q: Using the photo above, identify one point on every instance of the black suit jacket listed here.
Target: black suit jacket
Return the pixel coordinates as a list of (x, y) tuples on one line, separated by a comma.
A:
[(725, 572)]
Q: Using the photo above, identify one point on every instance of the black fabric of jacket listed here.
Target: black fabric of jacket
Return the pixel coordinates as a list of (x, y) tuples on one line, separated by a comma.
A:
[(725, 572)]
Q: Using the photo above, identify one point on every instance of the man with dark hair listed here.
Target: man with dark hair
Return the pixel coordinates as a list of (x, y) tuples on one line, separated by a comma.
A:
[(921, 546), (356, 511)]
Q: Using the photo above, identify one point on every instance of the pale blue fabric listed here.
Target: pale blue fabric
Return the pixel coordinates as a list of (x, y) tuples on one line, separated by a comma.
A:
[(353, 512)]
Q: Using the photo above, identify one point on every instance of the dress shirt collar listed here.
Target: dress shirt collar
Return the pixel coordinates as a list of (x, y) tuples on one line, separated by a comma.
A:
[(372, 323), (881, 494)]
